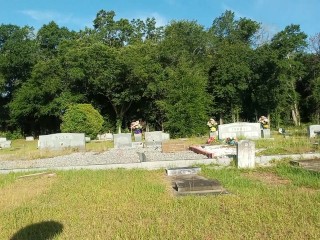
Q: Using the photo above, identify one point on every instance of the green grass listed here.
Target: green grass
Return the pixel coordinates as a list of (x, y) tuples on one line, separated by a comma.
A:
[(295, 144), (28, 150), (138, 204)]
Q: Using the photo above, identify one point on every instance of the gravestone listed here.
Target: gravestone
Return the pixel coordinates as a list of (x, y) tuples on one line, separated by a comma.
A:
[(185, 181), (313, 131), (266, 133), (30, 138), (171, 147), (165, 136), (105, 137), (60, 141), (246, 154), (240, 129), (137, 137), (4, 143), (153, 139), (122, 140)]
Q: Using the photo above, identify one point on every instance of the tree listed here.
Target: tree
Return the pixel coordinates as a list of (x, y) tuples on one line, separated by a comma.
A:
[(186, 103), (18, 55), (82, 118), (288, 45), (229, 79), (50, 36), (37, 107)]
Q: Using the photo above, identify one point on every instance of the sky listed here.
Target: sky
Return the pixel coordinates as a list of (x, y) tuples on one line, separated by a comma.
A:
[(274, 15)]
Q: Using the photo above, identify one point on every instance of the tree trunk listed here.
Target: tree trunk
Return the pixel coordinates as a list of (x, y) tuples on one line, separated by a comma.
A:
[(119, 124), (295, 115)]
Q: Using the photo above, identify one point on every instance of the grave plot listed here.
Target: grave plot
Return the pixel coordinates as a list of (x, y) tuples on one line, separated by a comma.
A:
[(310, 164), (186, 181)]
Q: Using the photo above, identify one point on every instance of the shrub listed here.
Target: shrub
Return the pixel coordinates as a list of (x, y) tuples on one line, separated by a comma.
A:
[(82, 118)]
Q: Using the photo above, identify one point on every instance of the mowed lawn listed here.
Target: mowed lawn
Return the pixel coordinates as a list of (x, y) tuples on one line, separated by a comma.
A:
[(281, 202)]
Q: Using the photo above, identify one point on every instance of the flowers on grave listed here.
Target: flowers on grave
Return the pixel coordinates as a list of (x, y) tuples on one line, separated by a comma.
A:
[(212, 124), (211, 140), (264, 121), (136, 127), (231, 141)]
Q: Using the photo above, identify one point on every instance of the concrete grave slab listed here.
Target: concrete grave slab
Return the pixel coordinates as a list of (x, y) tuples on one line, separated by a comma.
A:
[(192, 184), (182, 171), (137, 144), (185, 181)]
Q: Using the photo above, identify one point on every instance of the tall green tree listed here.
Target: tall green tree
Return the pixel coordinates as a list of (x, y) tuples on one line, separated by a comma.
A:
[(18, 55), (289, 44), (186, 103)]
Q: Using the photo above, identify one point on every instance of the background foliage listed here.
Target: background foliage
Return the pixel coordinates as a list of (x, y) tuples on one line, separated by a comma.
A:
[(82, 118), (173, 77)]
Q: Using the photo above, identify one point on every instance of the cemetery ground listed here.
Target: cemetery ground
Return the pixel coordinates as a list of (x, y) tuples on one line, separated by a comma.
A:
[(276, 202), (279, 202)]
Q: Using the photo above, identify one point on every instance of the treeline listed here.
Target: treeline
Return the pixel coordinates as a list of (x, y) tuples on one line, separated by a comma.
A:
[(173, 77)]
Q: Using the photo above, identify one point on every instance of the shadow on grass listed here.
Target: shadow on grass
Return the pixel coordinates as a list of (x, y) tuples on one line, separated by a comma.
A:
[(41, 231)]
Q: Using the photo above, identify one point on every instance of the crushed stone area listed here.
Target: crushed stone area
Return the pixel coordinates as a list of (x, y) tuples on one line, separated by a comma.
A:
[(112, 156)]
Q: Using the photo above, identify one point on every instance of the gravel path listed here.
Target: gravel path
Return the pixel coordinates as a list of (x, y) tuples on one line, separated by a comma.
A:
[(113, 156)]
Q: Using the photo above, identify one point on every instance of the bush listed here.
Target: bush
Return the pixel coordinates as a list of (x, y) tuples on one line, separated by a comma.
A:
[(82, 118)]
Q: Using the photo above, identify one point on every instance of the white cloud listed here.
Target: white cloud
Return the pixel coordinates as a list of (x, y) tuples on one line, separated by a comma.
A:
[(44, 17), (160, 20), (47, 16)]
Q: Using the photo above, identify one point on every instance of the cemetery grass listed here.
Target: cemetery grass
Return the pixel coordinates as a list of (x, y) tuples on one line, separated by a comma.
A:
[(28, 150), (139, 204), (296, 144)]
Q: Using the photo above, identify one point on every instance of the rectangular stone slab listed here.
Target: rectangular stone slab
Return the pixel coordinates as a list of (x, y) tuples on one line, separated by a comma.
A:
[(196, 183), (182, 171)]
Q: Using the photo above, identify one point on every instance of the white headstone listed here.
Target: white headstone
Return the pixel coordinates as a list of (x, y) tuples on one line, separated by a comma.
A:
[(5, 144), (153, 139), (266, 133), (313, 131), (30, 138), (240, 129), (105, 137), (122, 140), (245, 154), (165, 136), (137, 137), (60, 141), (3, 139)]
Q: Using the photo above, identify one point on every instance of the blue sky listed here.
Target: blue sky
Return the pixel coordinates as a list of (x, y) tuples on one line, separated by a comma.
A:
[(275, 15)]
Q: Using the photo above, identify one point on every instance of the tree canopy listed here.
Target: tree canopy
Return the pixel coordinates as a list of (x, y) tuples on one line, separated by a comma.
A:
[(173, 77)]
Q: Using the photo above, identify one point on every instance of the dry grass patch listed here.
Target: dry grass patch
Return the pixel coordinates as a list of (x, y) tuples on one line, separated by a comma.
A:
[(269, 178), (24, 190)]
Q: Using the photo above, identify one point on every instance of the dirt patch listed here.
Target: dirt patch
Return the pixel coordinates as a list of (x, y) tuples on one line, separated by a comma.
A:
[(268, 178), (24, 190)]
